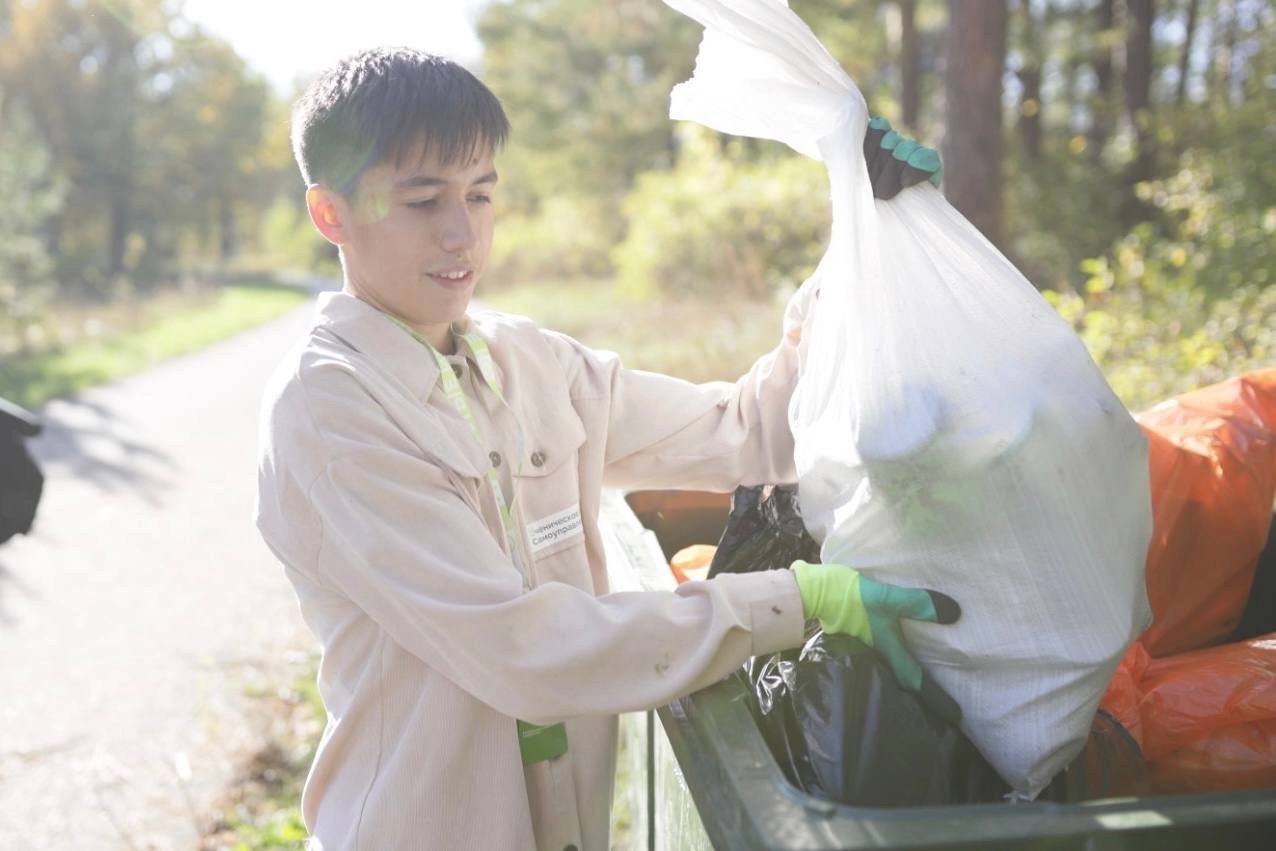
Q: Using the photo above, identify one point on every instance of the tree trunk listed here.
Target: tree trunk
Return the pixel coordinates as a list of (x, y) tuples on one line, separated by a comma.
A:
[(909, 65), (1225, 56), (120, 186), (1185, 60), (1030, 112), (228, 244), (1138, 104), (1101, 112), (1030, 82), (119, 87), (121, 217), (976, 56)]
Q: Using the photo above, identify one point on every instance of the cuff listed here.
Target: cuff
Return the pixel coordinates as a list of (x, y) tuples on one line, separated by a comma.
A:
[(776, 619)]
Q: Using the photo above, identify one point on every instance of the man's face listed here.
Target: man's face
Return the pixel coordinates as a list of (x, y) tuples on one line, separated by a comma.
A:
[(419, 236)]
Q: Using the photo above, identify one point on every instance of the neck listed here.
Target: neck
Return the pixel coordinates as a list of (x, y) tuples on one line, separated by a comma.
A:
[(438, 336)]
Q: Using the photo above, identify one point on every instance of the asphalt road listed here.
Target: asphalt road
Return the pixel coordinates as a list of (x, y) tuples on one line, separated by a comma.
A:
[(144, 608)]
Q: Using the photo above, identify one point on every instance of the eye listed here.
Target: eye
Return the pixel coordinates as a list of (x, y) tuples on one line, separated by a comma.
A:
[(424, 204), (481, 199)]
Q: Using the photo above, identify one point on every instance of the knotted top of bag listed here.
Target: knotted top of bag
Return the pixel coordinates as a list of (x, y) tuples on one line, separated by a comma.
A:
[(761, 72)]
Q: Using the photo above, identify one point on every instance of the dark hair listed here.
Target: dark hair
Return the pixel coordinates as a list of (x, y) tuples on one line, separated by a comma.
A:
[(376, 106)]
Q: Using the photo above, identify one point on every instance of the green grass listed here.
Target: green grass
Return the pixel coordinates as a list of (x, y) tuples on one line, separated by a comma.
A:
[(32, 379), (261, 810), (699, 339)]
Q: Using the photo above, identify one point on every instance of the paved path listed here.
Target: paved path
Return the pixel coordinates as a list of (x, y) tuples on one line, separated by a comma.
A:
[(136, 617)]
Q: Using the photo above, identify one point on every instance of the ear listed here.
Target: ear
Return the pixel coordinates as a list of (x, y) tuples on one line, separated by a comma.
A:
[(328, 213)]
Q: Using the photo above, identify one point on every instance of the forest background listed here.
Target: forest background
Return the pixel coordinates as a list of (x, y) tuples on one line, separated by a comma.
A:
[(1119, 151)]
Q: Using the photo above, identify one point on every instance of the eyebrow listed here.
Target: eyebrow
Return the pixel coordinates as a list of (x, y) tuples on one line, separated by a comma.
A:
[(426, 180)]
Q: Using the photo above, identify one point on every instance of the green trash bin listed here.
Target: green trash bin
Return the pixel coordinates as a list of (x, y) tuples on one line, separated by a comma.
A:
[(701, 776)]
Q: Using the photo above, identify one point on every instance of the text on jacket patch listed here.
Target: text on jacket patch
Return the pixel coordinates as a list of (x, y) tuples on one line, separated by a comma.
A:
[(554, 528)]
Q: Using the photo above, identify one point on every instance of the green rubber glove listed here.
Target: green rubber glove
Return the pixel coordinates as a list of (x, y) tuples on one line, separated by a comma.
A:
[(896, 163), (845, 602)]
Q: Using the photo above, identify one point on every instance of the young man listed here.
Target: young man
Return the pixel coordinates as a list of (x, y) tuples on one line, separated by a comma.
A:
[(413, 459)]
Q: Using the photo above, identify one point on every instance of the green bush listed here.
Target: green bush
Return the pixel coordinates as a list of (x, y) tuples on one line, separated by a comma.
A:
[(1219, 224), (288, 240), (1155, 340), (1186, 302), (32, 193), (718, 223), (1059, 210), (1185, 299), (567, 237)]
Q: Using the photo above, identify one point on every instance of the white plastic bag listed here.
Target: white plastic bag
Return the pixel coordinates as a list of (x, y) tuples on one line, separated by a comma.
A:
[(951, 430)]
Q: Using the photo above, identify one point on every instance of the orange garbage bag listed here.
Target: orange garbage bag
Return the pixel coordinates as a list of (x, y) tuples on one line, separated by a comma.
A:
[(1205, 720), (692, 562), (1242, 756), (1212, 458), (1121, 700), (1188, 697)]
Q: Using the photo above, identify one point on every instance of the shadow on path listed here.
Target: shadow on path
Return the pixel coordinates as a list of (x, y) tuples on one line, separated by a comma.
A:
[(90, 441)]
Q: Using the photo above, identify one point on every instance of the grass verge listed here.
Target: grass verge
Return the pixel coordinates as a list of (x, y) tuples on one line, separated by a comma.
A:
[(261, 809), (699, 339), (186, 325)]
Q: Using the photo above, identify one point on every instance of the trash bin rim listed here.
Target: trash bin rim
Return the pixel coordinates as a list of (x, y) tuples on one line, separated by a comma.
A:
[(755, 806)]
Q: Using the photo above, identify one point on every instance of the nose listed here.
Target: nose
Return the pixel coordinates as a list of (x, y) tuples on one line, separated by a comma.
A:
[(457, 231)]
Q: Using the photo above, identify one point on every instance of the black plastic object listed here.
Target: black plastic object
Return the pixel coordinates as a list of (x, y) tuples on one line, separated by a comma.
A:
[(764, 532), (1259, 617), (1111, 764), (21, 482), (842, 729), (831, 712)]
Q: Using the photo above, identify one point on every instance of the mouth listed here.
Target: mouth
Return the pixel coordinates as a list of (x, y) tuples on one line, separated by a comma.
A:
[(452, 279)]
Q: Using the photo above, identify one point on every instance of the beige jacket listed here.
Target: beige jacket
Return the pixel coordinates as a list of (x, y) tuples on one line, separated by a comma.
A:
[(374, 496)]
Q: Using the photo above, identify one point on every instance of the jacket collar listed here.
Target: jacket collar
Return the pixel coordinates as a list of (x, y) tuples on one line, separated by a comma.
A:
[(377, 336)]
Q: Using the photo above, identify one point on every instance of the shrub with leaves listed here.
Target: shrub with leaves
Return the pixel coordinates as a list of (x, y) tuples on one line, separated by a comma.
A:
[(1188, 303), (569, 236), (32, 194), (723, 222)]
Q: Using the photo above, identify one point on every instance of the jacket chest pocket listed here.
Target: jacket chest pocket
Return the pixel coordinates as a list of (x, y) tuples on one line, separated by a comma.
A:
[(548, 486)]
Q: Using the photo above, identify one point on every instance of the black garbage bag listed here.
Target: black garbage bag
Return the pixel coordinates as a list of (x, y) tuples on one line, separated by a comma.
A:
[(1111, 764), (842, 729), (21, 482), (1259, 617), (764, 532), (831, 712)]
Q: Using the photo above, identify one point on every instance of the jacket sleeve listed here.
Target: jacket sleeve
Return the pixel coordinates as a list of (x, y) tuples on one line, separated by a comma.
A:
[(400, 540), (667, 432)]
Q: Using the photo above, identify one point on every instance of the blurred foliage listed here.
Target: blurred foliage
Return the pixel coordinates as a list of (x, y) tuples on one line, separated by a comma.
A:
[(33, 191), (163, 138), (585, 83), (184, 324), (689, 336), (721, 222), (287, 240), (569, 236), (1189, 302)]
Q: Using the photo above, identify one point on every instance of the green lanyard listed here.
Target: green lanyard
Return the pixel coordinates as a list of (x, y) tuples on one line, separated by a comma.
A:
[(456, 396), (536, 742)]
